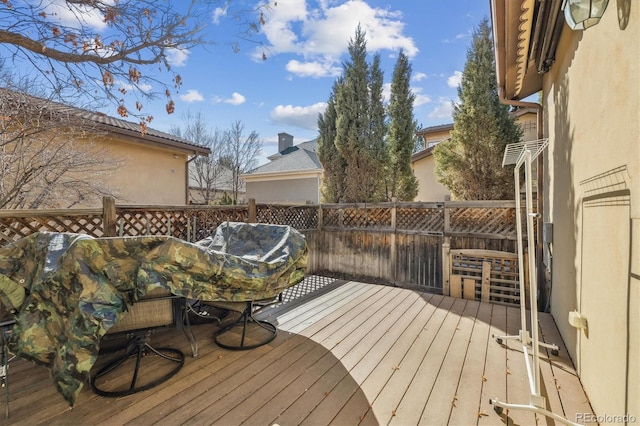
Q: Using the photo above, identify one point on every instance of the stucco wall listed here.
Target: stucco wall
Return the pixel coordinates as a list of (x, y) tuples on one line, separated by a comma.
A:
[(429, 189), (289, 191), (592, 118), (148, 175)]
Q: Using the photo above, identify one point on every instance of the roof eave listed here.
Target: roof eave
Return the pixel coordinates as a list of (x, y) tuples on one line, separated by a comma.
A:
[(147, 139), (516, 75)]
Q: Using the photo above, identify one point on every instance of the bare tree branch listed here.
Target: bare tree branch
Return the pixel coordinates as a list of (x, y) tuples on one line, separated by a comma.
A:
[(47, 156), (96, 48)]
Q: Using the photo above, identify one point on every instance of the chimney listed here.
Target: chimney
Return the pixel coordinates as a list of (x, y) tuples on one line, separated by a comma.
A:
[(285, 141)]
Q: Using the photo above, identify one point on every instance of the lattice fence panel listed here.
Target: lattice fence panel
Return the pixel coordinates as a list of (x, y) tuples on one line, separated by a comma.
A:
[(14, 228), (206, 221), (500, 221), (367, 218), (420, 219), (331, 217), (298, 217), (134, 223)]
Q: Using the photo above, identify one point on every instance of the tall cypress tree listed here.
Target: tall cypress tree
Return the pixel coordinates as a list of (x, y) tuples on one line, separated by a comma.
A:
[(377, 133), (352, 123), (402, 130), (333, 163), (470, 163)]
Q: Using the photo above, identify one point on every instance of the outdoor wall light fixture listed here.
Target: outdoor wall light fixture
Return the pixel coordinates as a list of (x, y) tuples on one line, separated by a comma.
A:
[(582, 14)]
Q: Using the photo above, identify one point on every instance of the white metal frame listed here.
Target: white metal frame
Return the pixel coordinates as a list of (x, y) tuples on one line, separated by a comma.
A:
[(524, 153)]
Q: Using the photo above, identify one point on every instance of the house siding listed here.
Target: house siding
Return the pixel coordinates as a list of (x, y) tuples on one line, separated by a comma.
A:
[(591, 106), (429, 189), (286, 191), (147, 175)]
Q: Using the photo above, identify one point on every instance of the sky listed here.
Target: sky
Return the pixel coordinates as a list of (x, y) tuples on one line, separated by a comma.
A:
[(305, 43)]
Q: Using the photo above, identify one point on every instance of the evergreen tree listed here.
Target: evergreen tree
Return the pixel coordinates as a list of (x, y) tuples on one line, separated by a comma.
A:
[(470, 163), (402, 129), (352, 123), (332, 162), (377, 133)]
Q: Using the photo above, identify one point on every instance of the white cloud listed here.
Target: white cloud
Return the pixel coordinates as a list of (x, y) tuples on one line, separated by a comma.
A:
[(192, 96), (420, 99), (71, 14), (386, 92), (418, 76), (444, 109), (235, 99), (313, 69), (321, 35), (303, 117), (218, 13), (459, 36), (143, 87), (455, 79), (177, 57)]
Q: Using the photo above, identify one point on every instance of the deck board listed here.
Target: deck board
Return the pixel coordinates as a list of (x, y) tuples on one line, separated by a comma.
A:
[(466, 407), (354, 353)]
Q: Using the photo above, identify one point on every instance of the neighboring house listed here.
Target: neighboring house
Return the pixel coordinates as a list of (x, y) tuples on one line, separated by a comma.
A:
[(155, 166), (293, 176), (424, 164), (222, 186), (590, 84), (151, 167)]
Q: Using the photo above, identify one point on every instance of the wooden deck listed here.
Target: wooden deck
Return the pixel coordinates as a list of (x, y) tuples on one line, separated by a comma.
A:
[(351, 353)]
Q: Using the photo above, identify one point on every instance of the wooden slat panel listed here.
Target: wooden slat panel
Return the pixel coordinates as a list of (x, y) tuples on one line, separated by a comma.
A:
[(455, 286), (469, 289), (486, 281)]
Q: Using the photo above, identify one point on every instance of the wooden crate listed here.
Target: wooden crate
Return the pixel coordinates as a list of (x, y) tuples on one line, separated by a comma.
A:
[(485, 275)]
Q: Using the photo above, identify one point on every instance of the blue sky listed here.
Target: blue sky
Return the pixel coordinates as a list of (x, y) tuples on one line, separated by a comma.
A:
[(306, 43)]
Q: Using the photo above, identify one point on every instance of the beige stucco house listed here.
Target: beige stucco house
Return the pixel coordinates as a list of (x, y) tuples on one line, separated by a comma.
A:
[(154, 167), (141, 167), (590, 92), (293, 175), (424, 165), (423, 162)]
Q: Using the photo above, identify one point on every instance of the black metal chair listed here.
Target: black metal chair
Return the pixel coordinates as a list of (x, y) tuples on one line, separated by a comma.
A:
[(246, 332), (144, 317)]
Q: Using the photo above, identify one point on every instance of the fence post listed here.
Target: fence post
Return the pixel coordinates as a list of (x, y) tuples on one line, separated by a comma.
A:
[(109, 216), (446, 247), (253, 212), (394, 250), (446, 270), (320, 218)]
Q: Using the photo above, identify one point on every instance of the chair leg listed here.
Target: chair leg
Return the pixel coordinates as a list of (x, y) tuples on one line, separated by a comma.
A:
[(225, 337), (138, 348)]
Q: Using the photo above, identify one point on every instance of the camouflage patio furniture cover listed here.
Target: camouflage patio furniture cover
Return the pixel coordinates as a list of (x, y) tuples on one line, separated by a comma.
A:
[(67, 290)]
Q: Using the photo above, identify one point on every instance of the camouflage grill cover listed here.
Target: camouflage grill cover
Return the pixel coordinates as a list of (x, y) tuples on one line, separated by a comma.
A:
[(67, 290)]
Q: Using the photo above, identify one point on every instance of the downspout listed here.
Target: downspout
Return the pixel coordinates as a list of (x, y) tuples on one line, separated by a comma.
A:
[(542, 301)]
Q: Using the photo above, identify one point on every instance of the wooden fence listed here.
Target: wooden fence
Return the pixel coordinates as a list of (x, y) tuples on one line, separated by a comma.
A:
[(400, 243)]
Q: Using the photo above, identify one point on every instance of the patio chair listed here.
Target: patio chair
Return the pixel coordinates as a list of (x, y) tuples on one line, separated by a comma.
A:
[(6, 324), (159, 309), (256, 244), (246, 332)]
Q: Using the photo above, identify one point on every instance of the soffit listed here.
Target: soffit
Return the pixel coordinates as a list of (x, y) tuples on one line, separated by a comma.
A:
[(512, 23)]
